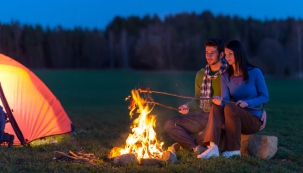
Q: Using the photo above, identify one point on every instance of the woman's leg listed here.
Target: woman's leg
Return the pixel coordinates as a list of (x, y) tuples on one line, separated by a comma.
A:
[(237, 121)]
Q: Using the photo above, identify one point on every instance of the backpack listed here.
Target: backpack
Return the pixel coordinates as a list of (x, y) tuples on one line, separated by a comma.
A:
[(5, 137)]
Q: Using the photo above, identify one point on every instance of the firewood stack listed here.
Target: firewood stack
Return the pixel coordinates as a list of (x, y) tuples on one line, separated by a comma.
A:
[(74, 157)]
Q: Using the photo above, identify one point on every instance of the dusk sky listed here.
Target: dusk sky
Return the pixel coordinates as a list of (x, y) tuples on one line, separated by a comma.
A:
[(98, 13)]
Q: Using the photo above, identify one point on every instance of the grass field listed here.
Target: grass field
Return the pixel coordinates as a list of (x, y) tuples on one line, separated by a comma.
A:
[(94, 100)]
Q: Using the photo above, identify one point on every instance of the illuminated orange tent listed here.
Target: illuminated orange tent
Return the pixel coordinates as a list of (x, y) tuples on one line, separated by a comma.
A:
[(37, 112)]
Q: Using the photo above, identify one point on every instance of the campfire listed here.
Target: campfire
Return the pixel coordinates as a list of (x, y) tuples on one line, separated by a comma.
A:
[(142, 145), (142, 141)]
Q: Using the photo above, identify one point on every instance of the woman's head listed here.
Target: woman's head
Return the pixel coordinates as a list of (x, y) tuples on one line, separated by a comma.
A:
[(235, 54), (236, 58)]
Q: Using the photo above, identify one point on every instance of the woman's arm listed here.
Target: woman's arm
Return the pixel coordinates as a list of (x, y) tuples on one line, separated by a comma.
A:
[(262, 91)]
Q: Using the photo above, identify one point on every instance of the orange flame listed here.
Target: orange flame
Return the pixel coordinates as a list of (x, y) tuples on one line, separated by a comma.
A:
[(143, 141)]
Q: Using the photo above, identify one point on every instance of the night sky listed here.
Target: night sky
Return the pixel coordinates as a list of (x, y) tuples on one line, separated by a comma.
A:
[(98, 13)]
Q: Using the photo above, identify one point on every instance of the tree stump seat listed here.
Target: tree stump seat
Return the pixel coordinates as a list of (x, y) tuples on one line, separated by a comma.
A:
[(261, 146)]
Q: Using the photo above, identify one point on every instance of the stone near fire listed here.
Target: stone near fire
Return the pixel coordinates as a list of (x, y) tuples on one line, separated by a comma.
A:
[(264, 147), (151, 162), (126, 159), (115, 160), (169, 156)]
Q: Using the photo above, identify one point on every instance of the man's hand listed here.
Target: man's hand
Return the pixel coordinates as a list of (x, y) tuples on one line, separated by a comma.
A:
[(263, 119), (242, 104), (183, 109), (217, 100)]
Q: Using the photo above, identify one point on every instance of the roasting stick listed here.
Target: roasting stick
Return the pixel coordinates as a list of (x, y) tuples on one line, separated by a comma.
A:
[(147, 90)]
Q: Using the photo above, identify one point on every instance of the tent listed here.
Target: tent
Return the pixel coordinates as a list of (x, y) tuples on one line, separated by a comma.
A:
[(36, 111)]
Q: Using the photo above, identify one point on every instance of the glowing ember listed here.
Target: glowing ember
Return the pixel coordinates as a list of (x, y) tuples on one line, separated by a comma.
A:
[(142, 142)]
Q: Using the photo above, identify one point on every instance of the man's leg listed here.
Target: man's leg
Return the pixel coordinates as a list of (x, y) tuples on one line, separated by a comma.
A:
[(213, 132), (180, 128), (214, 126)]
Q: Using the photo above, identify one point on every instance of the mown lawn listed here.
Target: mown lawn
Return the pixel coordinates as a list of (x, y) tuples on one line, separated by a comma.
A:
[(94, 100)]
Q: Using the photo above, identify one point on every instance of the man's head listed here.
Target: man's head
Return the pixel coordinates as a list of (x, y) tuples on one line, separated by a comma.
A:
[(214, 50)]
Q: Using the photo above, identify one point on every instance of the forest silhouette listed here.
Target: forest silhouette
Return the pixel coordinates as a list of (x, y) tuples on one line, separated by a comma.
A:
[(149, 43)]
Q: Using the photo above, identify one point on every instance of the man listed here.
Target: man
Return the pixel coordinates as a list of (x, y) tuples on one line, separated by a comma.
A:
[(207, 85)]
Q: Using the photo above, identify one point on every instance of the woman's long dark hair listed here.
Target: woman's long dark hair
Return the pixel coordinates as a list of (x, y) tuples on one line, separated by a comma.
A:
[(240, 59)]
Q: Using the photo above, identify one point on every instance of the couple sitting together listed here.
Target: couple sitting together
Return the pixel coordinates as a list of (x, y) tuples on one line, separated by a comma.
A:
[(231, 93)]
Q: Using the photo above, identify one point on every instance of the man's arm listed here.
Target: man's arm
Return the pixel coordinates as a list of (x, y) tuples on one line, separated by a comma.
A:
[(195, 104)]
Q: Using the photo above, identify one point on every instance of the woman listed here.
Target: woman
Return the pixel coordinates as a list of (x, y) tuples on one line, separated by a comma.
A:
[(245, 86)]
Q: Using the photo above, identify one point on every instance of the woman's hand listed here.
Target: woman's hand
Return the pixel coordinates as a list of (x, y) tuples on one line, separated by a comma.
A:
[(263, 119), (217, 100), (242, 104)]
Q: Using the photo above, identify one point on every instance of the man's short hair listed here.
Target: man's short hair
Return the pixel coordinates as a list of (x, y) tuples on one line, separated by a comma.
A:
[(216, 42)]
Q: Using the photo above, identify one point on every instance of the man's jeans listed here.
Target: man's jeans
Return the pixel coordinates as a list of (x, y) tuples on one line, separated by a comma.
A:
[(182, 128)]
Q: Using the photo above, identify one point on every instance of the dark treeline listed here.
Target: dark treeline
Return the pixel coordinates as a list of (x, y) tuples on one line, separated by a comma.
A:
[(149, 43)]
